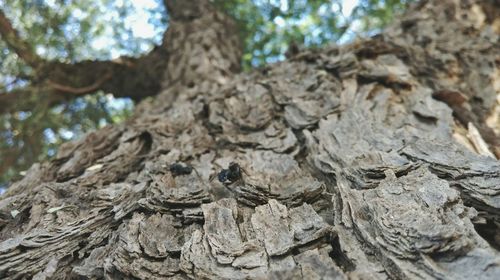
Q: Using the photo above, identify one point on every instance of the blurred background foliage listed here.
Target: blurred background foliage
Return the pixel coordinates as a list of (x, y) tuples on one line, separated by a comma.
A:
[(72, 30)]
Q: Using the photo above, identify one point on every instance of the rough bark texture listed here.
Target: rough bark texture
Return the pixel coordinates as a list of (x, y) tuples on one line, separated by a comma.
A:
[(350, 162)]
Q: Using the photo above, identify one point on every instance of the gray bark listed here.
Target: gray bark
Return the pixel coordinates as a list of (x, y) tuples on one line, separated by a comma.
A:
[(351, 167)]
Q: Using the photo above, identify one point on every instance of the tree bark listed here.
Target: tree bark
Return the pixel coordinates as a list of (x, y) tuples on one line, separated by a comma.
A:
[(351, 164)]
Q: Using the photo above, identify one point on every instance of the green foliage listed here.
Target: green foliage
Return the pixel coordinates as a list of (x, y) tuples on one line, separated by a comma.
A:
[(28, 137), (269, 27), (72, 30), (65, 30)]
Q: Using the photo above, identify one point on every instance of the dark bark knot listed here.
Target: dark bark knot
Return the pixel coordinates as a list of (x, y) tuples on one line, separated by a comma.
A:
[(231, 174), (180, 169)]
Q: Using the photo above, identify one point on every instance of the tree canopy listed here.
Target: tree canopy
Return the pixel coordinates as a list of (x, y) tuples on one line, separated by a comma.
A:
[(39, 109)]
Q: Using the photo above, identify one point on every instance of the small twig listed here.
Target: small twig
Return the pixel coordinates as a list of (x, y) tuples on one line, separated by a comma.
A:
[(478, 141), (80, 90)]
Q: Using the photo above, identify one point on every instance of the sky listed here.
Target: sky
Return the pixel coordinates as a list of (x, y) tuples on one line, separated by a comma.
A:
[(139, 22), (142, 27)]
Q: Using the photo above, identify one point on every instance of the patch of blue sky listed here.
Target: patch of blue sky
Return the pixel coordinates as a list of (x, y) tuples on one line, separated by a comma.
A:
[(142, 22), (8, 137), (118, 104), (66, 134), (22, 115), (49, 135)]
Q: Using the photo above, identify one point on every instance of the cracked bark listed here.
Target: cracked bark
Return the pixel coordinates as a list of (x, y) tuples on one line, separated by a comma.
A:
[(351, 166)]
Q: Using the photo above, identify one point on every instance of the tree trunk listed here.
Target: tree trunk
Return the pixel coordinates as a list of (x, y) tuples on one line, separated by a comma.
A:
[(352, 164)]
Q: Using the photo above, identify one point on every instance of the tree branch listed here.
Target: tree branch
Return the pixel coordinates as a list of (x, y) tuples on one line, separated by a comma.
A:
[(136, 78), (82, 90), (9, 100), (17, 44), (131, 77)]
